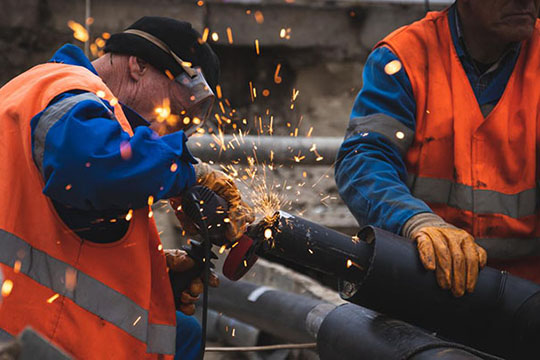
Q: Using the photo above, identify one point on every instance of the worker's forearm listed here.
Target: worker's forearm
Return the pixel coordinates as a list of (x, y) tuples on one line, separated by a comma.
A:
[(371, 180)]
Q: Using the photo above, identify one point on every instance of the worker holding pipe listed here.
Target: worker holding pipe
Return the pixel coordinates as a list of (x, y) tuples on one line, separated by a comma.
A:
[(86, 147), (442, 141)]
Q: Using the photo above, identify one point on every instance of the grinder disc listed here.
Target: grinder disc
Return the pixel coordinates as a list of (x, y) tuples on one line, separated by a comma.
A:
[(240, 259)]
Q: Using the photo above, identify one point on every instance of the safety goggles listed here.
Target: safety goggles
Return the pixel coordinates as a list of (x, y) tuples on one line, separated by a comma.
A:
[(195, 96)]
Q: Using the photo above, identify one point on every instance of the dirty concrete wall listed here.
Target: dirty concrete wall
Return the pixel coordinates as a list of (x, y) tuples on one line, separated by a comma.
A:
[(321, 56)]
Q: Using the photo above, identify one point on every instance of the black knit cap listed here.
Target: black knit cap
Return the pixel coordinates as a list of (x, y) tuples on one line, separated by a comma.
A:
[(179, 36)]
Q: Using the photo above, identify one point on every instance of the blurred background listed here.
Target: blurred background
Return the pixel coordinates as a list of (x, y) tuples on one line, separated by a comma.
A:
[(289, 69)]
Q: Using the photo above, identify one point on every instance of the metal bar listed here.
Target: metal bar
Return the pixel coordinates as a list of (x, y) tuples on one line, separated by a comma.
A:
[(266, 149), (87, 15)]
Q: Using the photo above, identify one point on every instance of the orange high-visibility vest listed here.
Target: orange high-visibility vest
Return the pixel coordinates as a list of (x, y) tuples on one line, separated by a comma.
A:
[(95, 301), (478, 173)]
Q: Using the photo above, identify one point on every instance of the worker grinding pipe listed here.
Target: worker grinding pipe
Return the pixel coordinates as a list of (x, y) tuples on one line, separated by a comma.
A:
[(442, 142), (85, 148)]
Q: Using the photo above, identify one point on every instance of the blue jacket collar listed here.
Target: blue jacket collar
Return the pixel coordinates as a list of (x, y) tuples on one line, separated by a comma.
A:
[(72, 55)]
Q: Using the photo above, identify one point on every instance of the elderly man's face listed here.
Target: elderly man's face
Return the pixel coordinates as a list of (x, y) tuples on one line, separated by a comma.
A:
[(157, 101), (508, 20)]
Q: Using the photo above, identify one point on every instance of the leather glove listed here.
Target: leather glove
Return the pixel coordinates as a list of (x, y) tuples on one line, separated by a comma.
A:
[(240, 214), (451, 252), (180, 261)]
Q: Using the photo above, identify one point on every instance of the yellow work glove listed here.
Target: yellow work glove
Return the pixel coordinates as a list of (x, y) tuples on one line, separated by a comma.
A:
[(240, 214), (451, 252), (179, 261)]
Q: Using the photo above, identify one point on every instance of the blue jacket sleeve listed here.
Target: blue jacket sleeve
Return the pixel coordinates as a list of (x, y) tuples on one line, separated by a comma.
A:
[(370, 172), (90, 163)]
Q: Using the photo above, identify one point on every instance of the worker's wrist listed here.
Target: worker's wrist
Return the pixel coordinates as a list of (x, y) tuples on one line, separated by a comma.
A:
[(419, 221), (202, 169)]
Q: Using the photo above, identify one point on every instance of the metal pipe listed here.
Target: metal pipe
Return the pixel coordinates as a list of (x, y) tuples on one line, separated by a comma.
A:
[(230, 331), (339, 331), (280, 314), (87, 15), (382, 271), (266, 149)]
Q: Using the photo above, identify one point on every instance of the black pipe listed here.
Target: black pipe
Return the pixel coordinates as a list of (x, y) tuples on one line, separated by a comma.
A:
[(351, 329), (312, 246), (382, 271), (275, 312), (347, 331)]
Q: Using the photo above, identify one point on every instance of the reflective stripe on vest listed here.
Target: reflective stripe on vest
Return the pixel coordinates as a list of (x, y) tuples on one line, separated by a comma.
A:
[(479, 201), (393, 130), (504, 248), (51, 116), (88, 293)]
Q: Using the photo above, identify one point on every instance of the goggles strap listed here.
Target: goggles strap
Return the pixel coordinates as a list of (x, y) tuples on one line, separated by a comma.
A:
[(154, 40)]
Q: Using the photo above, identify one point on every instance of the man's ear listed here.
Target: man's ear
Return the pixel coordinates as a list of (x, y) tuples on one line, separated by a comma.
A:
[(137, 67)]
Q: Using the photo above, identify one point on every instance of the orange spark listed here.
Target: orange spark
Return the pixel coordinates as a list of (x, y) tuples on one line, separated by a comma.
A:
[(71, 279), (7, 286), (206, 31), (125, 150), (17, 266), (79, 32), (229, 35), (222, 249), (52, 298), (277, 78), (257, 49), (393, 67), (259, 18), (129, 215), (169, 74), (218, 91)]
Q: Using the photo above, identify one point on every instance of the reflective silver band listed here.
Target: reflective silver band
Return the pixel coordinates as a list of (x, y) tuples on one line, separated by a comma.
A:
[(503, 248), (50, 117), (161, 339), (88, 293), (479, 201), (395, 131)]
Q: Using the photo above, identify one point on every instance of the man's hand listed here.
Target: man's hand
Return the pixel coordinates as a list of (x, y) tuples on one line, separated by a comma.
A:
[(180, 261), (454, 256), (239, 214)]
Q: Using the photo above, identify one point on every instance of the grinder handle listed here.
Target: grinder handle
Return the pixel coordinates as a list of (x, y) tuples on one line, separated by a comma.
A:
[(180, 281)]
